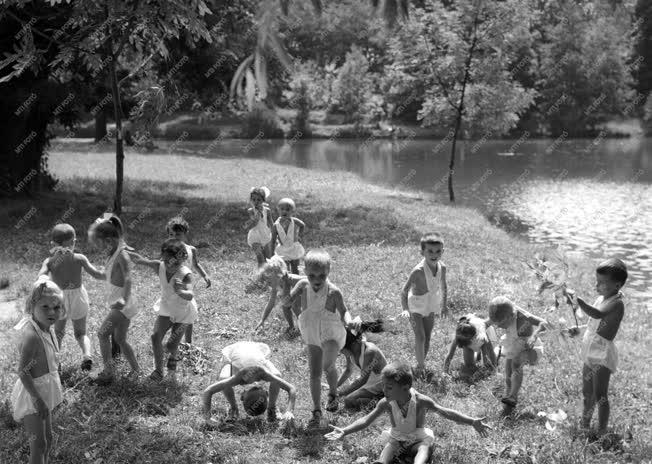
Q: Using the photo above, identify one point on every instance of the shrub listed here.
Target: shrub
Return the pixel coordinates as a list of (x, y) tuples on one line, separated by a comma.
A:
[(261, 122)]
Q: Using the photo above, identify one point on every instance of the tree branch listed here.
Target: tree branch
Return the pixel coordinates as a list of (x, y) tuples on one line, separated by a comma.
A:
[(436, 76)]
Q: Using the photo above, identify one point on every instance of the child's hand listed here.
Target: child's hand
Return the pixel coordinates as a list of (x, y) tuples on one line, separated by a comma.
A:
[(571, 297), (208, 282), (178, 285), (336, 434), (405, 314), (119, 304), (480, 426), (41, 408)]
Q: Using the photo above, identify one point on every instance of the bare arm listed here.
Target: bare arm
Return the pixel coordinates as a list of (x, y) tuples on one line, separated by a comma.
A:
[(456, 416), (125, 266), (270, 305), (340, 307), (601, 313), (274, 238), (28, 352), (300, 226), (296, 290), (346, 373), (195, 264), (489, 355), (406, 290), (367, 420), (288, 387), (444, 291), (184, 288), (449, 358), (44, 268), (270, 222), (88, 267), (153, 264)]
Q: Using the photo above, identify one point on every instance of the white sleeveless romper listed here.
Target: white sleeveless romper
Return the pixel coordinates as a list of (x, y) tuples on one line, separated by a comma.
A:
[(114, 293), (316, 324), (170, 304), (515, 345), (597, 350), (241, 355), (288, 249), (260, 233), (48, 385), (430, 302), (405, 431)]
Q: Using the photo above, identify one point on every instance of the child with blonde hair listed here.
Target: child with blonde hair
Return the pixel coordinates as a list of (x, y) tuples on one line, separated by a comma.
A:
[(288, 232), (64, 267), (474, 335), (38, 389), (178, 228), (521, 346), (260, 224), (407, 409), (599, 353), (176, 306), (424, 296), (274, 272), (107, 233), (323, 321)]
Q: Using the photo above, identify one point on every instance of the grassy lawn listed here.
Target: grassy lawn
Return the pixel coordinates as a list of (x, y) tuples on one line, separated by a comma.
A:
[(372, 235)]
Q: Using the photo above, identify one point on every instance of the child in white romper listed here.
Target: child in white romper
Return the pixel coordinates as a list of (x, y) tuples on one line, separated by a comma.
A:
[(259, 224), (475, 336), (288, 231)]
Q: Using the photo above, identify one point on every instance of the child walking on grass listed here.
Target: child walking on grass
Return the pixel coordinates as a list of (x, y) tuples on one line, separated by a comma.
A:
[(521, 346), (474, 335), (64, 267), (259, 224), (424, 295), (107, 234), (176, 306), (323, 321), (599, 352), (178, 228), (288, 232), (38, 388), (407, 409)]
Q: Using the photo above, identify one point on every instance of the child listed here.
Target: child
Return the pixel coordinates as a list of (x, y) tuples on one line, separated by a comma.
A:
[(259, 224), (473, 334), (176, 307), (178, 228), (107, 233), (246, 363), (407, 409), (38, 390), (599, 352), (64, 267), (367, 357), (424, 295), (522, 345), (274, 271), (288, 231), (323, 321)]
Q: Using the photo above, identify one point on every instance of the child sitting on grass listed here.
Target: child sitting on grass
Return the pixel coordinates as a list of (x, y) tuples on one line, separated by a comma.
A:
[(176, 307), (367, 357), (246, 363), (424, 296), (407, 409), (288, 231), (178, 228), (599, 352), (107, 234), (522, 345), (38, 388), (64, 267), (259, 224), (472, 334), (323, 322), (274, 272)]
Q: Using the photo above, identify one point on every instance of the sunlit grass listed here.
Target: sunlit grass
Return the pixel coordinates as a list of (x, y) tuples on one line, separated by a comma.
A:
[(372, 234)]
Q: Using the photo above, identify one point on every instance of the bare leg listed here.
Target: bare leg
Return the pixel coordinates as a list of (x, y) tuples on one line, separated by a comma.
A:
[(189, 334), (287, 312), (104, 335), (315, 366), (469, 357), (508, 376), (120, 336), (161, 326), (35, 428), (48, 437), (79, 328), (260, 253), (419, 339), (360, 398), (330, 351), (172, 344), (517, 379), (428, 323), (423, 453), (60, 329), (388, 453), (600, 390)]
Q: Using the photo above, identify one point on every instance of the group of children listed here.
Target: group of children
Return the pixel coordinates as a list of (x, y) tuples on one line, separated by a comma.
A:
[(324, 322)]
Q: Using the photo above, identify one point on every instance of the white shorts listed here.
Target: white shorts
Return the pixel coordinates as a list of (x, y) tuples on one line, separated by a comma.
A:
[(75, 300), (317, 328), (598, 351), (422, 436)]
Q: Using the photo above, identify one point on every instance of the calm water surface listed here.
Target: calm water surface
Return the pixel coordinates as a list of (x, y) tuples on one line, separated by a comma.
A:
[(590, 196)]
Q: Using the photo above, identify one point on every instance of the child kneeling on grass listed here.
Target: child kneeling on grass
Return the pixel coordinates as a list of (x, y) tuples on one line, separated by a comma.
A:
[(407, 410), (247, 363), (474, 335)]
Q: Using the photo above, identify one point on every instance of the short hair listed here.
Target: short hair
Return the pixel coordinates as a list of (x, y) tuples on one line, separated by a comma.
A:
[(254, 400), (500, 307), (62, 233), (109, 227), (317, 258), (275, 264), (613, 268), (432, 238), (464, 332), (174, 248), (263, 192), (287, 201), (399, 372), (43, 286), (177, 224)]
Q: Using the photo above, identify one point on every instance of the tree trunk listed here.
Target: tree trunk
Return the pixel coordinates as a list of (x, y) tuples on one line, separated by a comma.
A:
[(119, 148), (100, 125)]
